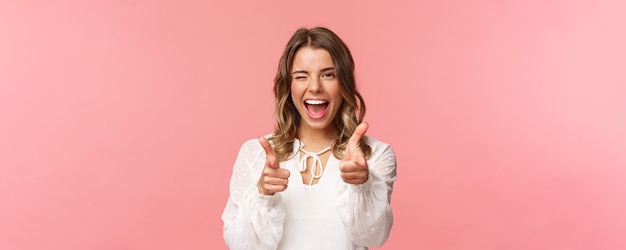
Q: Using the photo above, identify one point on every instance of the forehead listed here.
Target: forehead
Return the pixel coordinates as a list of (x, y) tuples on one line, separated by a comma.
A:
[(312, 58)]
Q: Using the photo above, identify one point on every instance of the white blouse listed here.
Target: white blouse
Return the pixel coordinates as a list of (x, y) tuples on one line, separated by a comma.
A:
[(328, 215)]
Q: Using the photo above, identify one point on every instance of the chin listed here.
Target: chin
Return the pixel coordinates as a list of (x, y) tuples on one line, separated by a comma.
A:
[(319, 125)]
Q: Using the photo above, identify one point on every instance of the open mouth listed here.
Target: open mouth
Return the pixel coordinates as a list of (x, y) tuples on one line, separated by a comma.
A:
[(315, 108)]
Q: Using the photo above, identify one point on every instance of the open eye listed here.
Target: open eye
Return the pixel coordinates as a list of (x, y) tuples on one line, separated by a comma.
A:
[(328, 75)]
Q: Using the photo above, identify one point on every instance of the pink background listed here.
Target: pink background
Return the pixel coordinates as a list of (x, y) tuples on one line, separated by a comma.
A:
[(120, 120)]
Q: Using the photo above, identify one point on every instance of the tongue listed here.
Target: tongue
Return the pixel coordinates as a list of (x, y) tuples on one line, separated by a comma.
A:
[(317, 109)]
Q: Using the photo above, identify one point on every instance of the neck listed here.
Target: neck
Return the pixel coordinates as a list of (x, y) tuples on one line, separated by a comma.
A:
[(315, 140)]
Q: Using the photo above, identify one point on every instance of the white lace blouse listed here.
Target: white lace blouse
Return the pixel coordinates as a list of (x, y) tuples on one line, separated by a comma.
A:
[(328, 215)]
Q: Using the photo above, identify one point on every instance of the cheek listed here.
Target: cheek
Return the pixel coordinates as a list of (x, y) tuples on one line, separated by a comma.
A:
[(296, 90), (294, 94), (335, 92)]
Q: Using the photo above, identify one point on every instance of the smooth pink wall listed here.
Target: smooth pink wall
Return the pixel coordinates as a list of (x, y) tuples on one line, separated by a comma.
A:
[(120, 120)]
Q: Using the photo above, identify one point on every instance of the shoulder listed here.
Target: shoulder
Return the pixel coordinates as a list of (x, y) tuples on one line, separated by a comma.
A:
[(380, 147), (252, 146)]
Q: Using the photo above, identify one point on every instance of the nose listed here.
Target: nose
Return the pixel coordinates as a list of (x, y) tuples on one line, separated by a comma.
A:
[(315, 85)]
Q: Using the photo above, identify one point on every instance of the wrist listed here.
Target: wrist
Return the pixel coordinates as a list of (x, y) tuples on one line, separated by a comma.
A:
[(262, 191)]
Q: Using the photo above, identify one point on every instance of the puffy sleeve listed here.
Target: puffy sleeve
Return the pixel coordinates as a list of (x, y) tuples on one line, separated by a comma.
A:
[(251, 220), (365, 209)]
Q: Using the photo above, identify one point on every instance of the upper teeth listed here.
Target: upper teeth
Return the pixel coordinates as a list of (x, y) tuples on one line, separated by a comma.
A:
[(315, 102)]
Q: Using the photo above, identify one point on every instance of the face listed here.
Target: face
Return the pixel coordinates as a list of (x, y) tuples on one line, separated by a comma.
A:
[(315, 89)]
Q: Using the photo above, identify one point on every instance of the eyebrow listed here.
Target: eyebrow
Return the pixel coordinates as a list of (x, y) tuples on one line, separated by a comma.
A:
[(305, 72)]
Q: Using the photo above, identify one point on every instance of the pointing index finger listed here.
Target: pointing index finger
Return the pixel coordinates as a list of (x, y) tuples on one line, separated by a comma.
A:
[(269, 151), (359, 132)]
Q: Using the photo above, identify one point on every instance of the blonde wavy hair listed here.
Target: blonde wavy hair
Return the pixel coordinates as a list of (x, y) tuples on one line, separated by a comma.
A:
[(352, 109)]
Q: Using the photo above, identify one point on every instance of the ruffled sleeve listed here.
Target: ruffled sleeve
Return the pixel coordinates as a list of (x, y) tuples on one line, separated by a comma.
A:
[(251, 220), (365, 209)]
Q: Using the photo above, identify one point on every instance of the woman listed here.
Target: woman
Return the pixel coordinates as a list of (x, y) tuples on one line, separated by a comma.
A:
[(317, 182)]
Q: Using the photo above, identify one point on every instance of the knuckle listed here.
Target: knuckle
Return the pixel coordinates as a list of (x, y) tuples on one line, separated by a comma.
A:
[(342, 167)]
